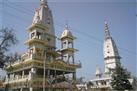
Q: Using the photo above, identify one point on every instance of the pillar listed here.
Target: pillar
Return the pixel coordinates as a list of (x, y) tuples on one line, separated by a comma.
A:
[(48, 73), (63, 74), (73, 59), (74, 75), (21, 89), (67, 44), (72, 45), (61, 44), (55, 73), (30, 89), (22, 73)]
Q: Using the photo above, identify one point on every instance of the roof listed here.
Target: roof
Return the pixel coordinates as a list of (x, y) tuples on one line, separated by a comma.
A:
[(98, 71), (66, 32), (100, 79)]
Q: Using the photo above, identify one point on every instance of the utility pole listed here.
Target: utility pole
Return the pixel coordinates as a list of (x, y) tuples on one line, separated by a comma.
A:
[(45, 52)]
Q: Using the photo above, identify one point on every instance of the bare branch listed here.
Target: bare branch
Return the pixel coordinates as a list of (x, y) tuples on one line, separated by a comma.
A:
[(7, 39)]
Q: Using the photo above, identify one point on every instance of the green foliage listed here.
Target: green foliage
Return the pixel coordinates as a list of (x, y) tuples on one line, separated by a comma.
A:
[(120, 79), (7, 39), (59, 79), (89, 84)]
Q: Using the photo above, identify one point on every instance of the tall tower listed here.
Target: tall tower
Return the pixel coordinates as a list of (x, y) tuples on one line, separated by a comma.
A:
[(42, 25), (41, 32), (67, 47), (111, 55)]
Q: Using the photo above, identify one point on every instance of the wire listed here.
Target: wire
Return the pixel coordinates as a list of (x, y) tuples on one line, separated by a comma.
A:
[(61, 25)]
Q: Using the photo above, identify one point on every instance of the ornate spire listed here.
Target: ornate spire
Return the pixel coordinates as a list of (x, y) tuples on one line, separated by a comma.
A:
[(66, 27), (42, 13), (107, 30)]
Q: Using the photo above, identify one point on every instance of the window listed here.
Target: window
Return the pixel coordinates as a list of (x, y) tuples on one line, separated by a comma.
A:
[(32, 35), (38, 34), (48, 21), (31, 51), (48, 39), (38, 51)]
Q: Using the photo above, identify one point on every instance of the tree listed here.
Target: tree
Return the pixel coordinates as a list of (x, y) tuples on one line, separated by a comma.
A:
[(120, 80), (89, 84), (7, 39), (59, 79)]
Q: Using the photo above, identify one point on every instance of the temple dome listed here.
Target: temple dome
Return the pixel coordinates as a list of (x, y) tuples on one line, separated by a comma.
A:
[(66, 32), (98, 71)]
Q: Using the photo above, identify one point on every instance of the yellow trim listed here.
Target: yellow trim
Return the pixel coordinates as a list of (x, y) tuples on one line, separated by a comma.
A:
[(41, 26), (54, 64), (34, 40), (54, 53), (69, 49), (68, 37)]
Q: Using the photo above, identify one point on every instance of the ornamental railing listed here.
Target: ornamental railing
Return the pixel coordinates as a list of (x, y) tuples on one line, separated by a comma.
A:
[(16, 79), (32, 56), (49, 65), (101, 86)]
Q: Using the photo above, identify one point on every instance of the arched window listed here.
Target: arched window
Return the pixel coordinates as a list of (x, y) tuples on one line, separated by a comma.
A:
[(38, 35), (32, 35)]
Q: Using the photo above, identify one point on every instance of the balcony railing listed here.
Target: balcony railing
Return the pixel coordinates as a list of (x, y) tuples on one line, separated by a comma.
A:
[(32, 56), (16, 79), (37, 82), (36, 56), (38, 40), (101, 86)]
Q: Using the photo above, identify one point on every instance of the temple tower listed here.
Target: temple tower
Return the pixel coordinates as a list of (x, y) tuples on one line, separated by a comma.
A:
[(41, 67), (41, 32), (111, 55), (67, 47), (42, 25)]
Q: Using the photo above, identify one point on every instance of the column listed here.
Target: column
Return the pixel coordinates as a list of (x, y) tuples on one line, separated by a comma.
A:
[(63, 74), (67, 58), (33, 70), (73, 59), (22, 73), (55, 74), (61, 44), (21, 89), (67, 44), (72, 45), (74, 75), (30, 89), (48, 73)]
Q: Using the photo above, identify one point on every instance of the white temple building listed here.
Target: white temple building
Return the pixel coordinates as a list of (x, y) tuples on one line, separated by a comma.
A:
[(111, 60), (43, 67)]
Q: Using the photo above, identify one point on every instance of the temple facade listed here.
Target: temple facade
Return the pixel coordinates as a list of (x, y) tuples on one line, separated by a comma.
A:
[(111, 61), (42, 67)]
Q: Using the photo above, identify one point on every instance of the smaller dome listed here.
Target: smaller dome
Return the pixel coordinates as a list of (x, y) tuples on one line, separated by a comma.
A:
[(98, 71), (66, 32), (43, 2)]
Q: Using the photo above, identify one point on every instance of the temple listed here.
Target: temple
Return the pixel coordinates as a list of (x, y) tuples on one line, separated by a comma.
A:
[(42, 67), (111, 60)]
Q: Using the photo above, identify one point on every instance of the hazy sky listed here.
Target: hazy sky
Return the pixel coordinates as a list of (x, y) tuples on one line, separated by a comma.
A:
[(86, 20)]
